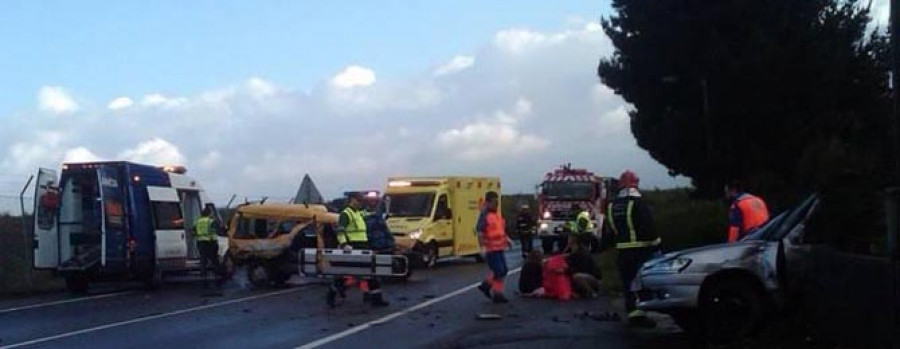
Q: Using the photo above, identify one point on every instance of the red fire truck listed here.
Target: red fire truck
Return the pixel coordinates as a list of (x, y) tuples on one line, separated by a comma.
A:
[(560, 190)]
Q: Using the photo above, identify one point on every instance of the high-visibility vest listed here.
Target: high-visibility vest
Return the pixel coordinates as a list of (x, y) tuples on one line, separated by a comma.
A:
[(754, 213), (355, 231), (494, 238), (632, 240), (203, 229), (583, 216)]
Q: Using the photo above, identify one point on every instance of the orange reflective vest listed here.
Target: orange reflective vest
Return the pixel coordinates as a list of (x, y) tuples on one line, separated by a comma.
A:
[(494, 238), (748, 212)]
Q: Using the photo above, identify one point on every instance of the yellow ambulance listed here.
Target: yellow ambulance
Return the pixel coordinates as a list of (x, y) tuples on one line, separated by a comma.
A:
[(434, 217)]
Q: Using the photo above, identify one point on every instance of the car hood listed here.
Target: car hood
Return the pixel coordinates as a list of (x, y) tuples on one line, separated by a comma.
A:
[(707, 259)]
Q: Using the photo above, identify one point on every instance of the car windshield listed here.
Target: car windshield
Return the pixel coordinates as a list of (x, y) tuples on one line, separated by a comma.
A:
[(568, 190), (411, 205), (767, 229), (776, 228)]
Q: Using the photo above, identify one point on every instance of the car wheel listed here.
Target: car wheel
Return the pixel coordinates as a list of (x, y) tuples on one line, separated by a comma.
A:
[(77, 284), (228, 267), (153, 280), (731, 310), (431, 255), (257, 275)]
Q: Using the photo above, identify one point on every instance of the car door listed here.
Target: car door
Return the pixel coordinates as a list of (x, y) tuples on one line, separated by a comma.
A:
[(46, 211), (443, 225)]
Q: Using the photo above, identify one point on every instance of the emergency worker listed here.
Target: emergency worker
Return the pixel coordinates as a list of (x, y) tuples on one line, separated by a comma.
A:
[(636, 240), (525, 226), (491, 230), (747, 213), (351, 233), (205, 229), (580, 228)]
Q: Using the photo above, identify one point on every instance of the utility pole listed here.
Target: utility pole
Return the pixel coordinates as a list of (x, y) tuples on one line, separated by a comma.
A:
[(895, 89)]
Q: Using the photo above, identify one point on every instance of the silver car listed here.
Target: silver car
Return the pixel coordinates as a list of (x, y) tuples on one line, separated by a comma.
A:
[(724, 291)]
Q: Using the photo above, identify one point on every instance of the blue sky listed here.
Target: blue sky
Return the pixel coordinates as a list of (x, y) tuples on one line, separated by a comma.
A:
[(108, 48), (250, 96)]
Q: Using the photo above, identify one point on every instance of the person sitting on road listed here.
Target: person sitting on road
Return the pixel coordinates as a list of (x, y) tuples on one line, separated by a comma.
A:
[(531, 279)]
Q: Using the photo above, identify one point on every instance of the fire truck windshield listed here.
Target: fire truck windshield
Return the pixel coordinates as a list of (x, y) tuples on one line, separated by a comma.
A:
[(568, 190)]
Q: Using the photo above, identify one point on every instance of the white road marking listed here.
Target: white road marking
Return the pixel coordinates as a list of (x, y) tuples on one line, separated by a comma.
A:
[(337, 336), (65, 301), (148, 318)]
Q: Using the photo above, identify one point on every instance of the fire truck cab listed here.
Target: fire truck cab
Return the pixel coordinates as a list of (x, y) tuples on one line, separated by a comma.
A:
[(560, 191)]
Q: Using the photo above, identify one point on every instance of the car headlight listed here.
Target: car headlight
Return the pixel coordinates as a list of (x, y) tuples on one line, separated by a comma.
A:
[(671, 265), (415, 234), (544, 226), (547, 215)]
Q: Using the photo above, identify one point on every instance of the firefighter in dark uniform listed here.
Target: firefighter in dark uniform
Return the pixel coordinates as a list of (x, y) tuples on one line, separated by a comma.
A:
[(636, 240), (352, 234), (525, 227)]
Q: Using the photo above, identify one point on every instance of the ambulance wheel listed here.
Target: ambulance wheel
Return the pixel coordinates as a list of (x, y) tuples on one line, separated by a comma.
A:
[(153, 280), (429, 258), (77, 284)]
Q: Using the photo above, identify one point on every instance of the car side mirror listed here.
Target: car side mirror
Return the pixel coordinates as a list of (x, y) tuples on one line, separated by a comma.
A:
[(449, 214)]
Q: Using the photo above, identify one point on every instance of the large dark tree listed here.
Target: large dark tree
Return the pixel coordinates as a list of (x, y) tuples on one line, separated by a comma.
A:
[(788, 95)]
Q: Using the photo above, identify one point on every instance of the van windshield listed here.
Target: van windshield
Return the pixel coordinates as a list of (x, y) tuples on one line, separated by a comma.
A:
[(411, 204)]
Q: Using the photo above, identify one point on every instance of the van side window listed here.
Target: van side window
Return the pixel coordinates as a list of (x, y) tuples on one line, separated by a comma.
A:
[(167, 215), (441, 211)]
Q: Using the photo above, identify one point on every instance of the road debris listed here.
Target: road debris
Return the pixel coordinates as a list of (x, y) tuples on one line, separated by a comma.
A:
[(489, 316)]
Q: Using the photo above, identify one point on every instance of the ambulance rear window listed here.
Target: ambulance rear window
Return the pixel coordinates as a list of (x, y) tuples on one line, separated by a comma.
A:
[(167, 216)]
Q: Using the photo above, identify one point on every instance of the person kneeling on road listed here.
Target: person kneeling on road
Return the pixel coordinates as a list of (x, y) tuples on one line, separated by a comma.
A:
[(584, 272), (494, 241), (351, 233)]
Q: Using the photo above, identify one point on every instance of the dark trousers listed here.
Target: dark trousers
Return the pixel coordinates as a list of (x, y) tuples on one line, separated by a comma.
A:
[(560, 241), (630, 262), (209, 257), (527, 239)]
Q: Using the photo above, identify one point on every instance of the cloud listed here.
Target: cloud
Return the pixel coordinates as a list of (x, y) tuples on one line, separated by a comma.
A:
[(156, 151), (494, 137), (881, 12), (56, 100), (158, 100), (354, 76), (457, 64), (120, 103), (532, 101), (81, 154)]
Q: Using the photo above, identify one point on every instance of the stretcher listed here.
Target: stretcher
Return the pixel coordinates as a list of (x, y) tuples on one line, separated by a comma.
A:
[(321, 262)]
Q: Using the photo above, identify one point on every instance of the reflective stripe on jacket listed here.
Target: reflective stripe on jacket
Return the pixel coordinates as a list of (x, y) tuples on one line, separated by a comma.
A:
[(631, 223)]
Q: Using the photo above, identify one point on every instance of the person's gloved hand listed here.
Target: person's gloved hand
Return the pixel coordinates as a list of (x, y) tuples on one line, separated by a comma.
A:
[(347, 247)]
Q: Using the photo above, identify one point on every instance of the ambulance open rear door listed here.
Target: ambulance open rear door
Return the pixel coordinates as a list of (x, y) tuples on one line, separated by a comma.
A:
[(46, 213)]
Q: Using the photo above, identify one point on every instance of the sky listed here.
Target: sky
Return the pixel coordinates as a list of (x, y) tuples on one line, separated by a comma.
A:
[(251, 95)]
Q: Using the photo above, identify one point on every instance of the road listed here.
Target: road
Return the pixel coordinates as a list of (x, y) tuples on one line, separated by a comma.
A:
[(435, 308)]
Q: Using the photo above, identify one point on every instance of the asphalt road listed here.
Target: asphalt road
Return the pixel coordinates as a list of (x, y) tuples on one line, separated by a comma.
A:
[(435, 308)]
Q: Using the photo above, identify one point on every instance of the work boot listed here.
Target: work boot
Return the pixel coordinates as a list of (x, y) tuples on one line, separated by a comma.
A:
[(485, 288), (378, 300), (499, 298), (331, 298)]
